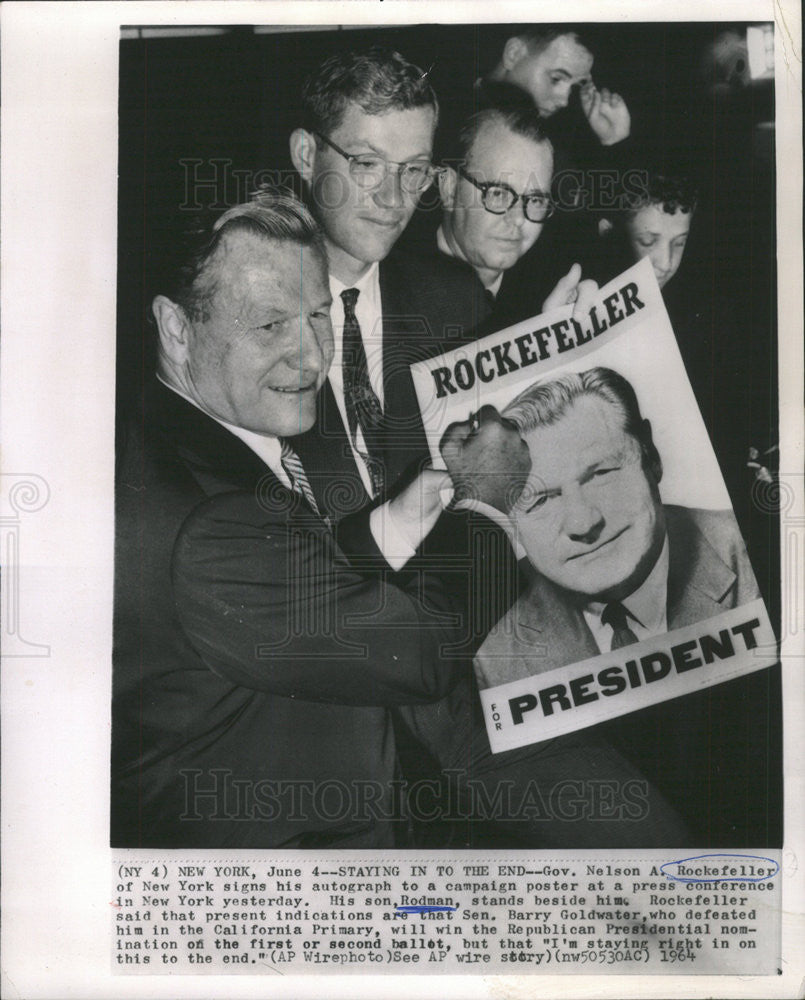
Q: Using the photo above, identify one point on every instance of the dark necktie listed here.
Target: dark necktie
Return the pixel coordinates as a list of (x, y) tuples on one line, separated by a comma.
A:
[(362, 405), (614, 615), (490, 299), (296, 473)]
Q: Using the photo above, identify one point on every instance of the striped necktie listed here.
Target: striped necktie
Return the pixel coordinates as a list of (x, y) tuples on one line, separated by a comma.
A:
[(297, 475), (614, 615), (361, 402)]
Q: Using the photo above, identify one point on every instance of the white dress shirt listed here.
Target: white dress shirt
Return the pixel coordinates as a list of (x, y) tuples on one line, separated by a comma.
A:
[(646, 610)]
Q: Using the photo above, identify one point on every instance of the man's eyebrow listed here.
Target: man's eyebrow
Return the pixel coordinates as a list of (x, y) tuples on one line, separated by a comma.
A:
[(612, 459), (267, 315), (531, 192), (365, 144), (581, 81), (370, 147)]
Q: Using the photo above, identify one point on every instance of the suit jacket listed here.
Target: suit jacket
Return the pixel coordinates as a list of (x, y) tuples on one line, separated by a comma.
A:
[(712, 753), (248, 648), (429, 306), (708, 572)]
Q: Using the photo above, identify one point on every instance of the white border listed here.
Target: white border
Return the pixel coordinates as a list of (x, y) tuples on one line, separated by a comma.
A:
[(59, 135)]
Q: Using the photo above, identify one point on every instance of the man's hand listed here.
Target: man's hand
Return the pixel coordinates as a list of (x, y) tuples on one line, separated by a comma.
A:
[(416, 508), (571, 288), (487, 459), (607, 114)]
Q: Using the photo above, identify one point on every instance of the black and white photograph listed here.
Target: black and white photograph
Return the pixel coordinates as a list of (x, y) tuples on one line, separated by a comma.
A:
[(302, 218), (402, 500)]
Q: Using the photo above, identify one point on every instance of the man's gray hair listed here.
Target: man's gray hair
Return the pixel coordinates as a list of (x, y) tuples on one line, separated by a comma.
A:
[(271, 213), (544, 403)]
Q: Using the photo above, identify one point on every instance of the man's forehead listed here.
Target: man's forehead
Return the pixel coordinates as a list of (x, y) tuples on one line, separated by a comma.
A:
[(497, 151), (241, 249), (246, 260), (566, 54), (654, 218), (388, 132), (589, 429)]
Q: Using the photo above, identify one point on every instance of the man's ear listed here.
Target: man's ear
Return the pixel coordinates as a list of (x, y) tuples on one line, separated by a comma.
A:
[(303, 152), (514, 50), (651, 457), (174, 329), (448, 178)]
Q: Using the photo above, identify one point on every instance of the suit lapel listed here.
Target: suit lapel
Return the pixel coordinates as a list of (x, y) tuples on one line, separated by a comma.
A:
[(218, 461), (406, 338), (216, 458), (543, 631), (328, 461), (698, 579), (549, 612)]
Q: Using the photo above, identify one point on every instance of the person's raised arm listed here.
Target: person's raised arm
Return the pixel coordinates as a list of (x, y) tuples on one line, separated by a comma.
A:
[(269, 601)]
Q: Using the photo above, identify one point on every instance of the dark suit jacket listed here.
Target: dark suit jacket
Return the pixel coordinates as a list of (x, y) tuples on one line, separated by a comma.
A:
[(247, 648), (524, 287), (712, 753), (429, 306), (708, 573)]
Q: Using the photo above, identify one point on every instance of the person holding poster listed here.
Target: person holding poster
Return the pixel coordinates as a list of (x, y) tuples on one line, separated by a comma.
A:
[(495, 192), (613, 566), (640, 621)]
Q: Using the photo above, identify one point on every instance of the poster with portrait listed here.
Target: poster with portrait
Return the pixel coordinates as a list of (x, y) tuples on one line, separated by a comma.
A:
[(639, 586), (115, 115)]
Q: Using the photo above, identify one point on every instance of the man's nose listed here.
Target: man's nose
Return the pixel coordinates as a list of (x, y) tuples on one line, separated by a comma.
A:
[(583, 520), (516, 214), (561, 98), (311, 353), (390, 194)]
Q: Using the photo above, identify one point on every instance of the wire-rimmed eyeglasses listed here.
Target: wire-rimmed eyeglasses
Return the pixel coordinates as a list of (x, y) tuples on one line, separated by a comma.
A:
[(369, 170)]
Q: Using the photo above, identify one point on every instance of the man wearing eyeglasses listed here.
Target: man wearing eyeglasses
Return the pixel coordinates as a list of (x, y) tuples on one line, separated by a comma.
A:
[(495, 193), (364, 155)]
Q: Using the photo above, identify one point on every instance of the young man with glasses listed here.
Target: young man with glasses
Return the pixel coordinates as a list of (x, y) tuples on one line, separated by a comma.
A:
[(364, 155)]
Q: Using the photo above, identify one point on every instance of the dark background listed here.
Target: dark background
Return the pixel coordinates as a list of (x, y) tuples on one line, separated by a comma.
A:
[(234, 98), (220, 109)]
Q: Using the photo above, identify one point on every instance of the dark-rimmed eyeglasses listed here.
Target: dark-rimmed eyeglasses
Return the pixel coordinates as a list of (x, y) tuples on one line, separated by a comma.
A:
[(498, 198), (369, 170)]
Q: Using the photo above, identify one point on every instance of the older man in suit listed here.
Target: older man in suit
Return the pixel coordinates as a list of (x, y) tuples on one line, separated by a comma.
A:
[(260, 649), (611, 565), (495, 188), (253, 656)]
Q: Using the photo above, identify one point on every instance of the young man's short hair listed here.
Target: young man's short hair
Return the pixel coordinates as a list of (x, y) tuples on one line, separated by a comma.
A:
[(377, 80)]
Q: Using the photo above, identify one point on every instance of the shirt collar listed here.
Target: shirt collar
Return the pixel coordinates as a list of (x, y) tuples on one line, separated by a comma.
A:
[(646, 604), (266, 447), (337, 286)]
